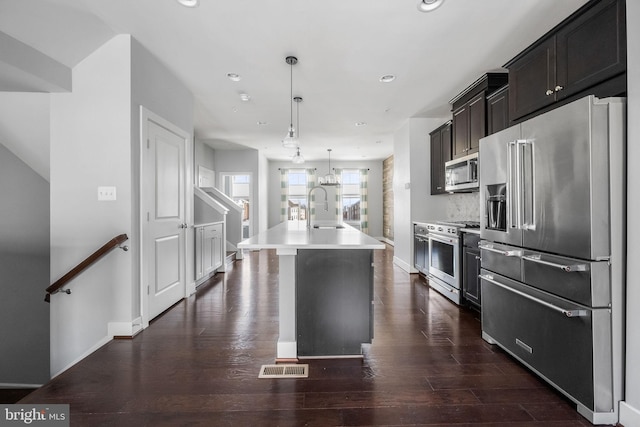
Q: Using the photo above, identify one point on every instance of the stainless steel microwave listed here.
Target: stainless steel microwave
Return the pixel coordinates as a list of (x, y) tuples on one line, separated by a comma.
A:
[(461, 174)]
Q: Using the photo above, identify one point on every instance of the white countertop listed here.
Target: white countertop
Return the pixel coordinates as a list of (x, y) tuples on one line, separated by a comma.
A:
[(295, 235)]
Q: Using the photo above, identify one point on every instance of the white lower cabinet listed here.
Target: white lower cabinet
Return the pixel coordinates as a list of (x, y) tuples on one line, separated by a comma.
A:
[(209, 249)]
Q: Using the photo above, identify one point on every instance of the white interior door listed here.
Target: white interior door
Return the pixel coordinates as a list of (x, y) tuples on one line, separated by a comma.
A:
[(164, 224)]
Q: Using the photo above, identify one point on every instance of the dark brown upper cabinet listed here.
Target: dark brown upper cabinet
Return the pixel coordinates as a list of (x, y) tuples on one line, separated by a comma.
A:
[(470, 114), (498, 110), (440, 153), (584, 54)]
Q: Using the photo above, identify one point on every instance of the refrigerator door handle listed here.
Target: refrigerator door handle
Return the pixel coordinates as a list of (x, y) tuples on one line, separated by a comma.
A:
[(527, 184), (566, 312), (513, 186), (490, 248), (564, 267)]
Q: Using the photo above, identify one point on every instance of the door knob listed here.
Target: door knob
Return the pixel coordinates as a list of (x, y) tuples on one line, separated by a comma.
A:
[(549, 92), (558, 88), (183, 226)]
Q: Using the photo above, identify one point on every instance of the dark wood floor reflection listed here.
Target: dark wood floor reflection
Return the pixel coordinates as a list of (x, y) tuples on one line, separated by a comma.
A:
[(198, 364)]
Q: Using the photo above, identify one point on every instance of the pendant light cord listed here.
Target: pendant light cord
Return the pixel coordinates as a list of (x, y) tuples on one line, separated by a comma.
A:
[(291, 95)]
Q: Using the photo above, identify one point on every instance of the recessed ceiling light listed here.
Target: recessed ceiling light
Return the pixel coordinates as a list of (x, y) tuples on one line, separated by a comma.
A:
[(245, 97), (429, 5), (361, 124), (387, 78), (234, 77), (189, 3)]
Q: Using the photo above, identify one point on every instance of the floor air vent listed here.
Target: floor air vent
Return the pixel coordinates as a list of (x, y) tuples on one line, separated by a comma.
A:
[(284, 371)]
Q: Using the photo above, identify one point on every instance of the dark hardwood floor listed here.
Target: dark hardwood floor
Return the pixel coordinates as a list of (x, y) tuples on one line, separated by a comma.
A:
[(198, 364)]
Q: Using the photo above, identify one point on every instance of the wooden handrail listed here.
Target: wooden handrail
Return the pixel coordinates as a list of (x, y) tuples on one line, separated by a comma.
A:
[(106, 248)]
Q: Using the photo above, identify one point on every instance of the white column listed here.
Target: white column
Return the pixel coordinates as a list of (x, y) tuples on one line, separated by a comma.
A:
[(287, 346)]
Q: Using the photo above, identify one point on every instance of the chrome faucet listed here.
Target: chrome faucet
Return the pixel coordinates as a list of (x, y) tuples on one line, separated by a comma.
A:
[(326, 203)]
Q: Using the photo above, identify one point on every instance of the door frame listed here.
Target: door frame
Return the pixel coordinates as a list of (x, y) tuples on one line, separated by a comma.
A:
[(146, 116)]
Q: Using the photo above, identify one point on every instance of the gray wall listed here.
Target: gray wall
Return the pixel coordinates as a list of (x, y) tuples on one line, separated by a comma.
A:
[(24, 273)]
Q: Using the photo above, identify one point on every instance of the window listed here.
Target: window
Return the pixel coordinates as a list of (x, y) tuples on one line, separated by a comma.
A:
[(297, 195), (238, 187), (351, 196)]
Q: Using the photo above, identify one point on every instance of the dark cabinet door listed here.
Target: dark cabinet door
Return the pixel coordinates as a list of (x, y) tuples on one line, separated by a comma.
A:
[(477, 123), (470, 275), (578, 58), (437, 167), (440, 153), (532, 80), (421, 249), (498, 111), (591, 49), (460, 144), (471, 268)]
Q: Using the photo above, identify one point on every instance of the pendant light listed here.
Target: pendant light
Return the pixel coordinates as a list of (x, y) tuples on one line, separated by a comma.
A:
[(298, 159), (329, 179), (290, 141)]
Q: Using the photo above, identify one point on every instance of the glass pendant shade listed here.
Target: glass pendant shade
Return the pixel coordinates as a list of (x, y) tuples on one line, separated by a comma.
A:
[(298, 159), (290, 141), (429, 5)]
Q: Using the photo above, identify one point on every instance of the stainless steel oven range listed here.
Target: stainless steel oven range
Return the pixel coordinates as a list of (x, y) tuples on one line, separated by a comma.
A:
[(444, 259)]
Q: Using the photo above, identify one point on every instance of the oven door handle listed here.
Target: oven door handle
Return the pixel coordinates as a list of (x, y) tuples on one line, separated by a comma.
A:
[(566, 312), (564, 267), (489, 248), (448, 240)]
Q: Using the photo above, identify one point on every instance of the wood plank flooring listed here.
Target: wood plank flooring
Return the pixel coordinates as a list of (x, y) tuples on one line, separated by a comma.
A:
[(198, 365)]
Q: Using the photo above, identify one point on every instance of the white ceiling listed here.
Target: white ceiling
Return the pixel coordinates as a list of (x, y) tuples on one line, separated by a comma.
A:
[(343, 48)]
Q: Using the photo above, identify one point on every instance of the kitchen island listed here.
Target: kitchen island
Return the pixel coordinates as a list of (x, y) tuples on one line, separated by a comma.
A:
[(325, 288)]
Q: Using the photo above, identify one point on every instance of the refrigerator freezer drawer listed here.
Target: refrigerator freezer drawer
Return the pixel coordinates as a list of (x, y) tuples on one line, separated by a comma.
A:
[(562, 342), (502, 259), (585, 282)]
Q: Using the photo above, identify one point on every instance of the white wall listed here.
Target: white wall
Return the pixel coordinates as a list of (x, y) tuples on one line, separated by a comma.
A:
[(95, 140), (159, 91), (263, 192), (630, 408), (90, 147), (322, 168), (412, 186)]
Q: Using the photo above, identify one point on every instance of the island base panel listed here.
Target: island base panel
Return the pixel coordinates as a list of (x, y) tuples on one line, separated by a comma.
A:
[(334, 294)]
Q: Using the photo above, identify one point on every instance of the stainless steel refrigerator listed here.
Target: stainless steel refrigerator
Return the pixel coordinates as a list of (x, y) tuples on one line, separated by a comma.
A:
[(553, 249)]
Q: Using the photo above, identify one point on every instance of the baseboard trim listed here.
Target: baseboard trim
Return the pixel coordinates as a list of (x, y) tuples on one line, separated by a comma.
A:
[(403, 265), (629, 416), (124, 330)]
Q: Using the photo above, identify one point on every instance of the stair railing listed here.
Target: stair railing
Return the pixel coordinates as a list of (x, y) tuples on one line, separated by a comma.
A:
[(56, 287)]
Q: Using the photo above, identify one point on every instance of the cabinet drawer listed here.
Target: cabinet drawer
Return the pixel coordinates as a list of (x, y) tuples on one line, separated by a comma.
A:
[(502, 259), (581, 281), (564, 350)]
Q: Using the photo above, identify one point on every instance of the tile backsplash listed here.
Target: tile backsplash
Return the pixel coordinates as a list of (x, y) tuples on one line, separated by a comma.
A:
[(463, 207)]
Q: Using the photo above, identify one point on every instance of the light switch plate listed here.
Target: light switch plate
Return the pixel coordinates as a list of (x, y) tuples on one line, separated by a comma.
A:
[(106, 193)]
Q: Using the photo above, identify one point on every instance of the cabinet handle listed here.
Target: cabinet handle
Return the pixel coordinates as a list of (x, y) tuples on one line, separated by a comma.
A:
[(567, 312), (478, 257), (439, 188), (549, 92), (558, 88)]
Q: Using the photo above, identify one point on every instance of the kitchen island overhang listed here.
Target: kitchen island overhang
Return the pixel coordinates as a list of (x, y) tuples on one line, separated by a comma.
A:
[(325, 286)]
